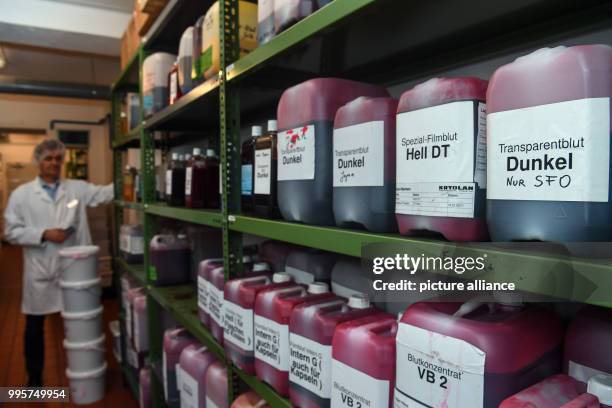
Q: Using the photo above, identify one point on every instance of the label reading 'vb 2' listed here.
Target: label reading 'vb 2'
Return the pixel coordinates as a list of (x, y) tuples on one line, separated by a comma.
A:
[(310, 365), (437, 371), (238, 325), (554, 152), (272, 343), (359, 155), (353, 389), (296, 159), (440, 153)]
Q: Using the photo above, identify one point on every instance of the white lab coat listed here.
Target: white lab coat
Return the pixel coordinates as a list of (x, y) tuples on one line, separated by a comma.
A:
[(30, 211)]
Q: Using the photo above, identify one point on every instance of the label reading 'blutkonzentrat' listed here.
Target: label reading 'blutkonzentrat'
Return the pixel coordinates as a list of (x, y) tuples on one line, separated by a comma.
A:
[(437, 371), (352, 388), (436, 167), (296, 154), (359, 155), (554, 152)]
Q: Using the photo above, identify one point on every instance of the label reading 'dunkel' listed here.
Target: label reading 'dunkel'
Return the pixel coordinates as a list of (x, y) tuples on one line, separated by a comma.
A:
[(310, 365), (554, 152), (352, 388), (272, 343), (188, 388), (203, 294), (359, 155), (437, 371), (440, 159), (188, 177), (263, 167), (296, 154), (215, 304), (238, 325)]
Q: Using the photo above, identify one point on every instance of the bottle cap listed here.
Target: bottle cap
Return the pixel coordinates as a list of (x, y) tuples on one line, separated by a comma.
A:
[(359, 301), (196, 151), (175, 156), (256, 131), (316, 288), (260, 267), (281, 277), (210, 152), (600, 386), (272, 125)]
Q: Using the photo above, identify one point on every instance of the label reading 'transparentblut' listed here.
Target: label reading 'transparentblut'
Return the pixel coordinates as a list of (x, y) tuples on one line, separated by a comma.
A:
[(359, 155), (263, 173), (296, 154)]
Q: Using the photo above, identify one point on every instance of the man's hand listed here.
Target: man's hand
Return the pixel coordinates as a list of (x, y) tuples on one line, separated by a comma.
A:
[(56, 235)]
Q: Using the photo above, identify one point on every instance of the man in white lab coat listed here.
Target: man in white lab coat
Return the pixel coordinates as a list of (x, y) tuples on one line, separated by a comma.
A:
[(43, 216)]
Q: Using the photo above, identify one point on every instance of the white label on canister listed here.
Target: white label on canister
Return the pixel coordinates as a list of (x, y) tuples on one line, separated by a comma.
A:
[(203, 294), (300, 276), (480, 172), (310, 365), (435, 160), (583, 373), (210, 403), (188, 388), (134, 245), (263, 171), (165, 373), (238, 325), (437, 371), (168, 182), (215, 303), (554, 152), (352, 388), (272, 343), (296, 159), (359, 155), (188, 177)]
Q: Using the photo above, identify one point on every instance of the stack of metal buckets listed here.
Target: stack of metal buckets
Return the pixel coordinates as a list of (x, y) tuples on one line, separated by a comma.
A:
[(82, 312)]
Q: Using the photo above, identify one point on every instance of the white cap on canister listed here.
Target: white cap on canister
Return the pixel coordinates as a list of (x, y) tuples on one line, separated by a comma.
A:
[(210, 152), (197, 151), (256, 131), (359, 301), (175, 156), (316, 288), (281, 277), (272, 125), (260, 267), (601, 387)]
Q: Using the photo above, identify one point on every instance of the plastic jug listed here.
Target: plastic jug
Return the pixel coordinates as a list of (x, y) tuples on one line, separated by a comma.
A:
[(275, 253), (155, 70), (455, 355), (348, 278), (587, 344), (289, 12), (238, 315), (169, 260), (250, 399), (196, 64), (307, 265), (175, 341), (364, 164), (246, 163), (247, 20), (175, 182), (441, 159), (265, 21), (216, 386), (140, 324), (273, 309), (204, 269), (194, 361), (144, 386), (305, 119), (367, 381), (216, 286), (548, 171), (185, 60), (311, 329), (264, 174), (556, 391), (131, 243), (211, 180)]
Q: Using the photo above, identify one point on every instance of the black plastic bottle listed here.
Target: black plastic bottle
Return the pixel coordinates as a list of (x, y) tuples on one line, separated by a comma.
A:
[(264, 173), (175, 190), (246, 161)]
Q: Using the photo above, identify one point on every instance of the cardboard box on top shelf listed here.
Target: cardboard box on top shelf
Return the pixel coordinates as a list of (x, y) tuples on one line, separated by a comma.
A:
[(129, 42), (153, 7), (144, 21)]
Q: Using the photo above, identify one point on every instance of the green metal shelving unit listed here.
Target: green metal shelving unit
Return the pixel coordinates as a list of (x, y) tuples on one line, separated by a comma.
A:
[(236, 95)]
